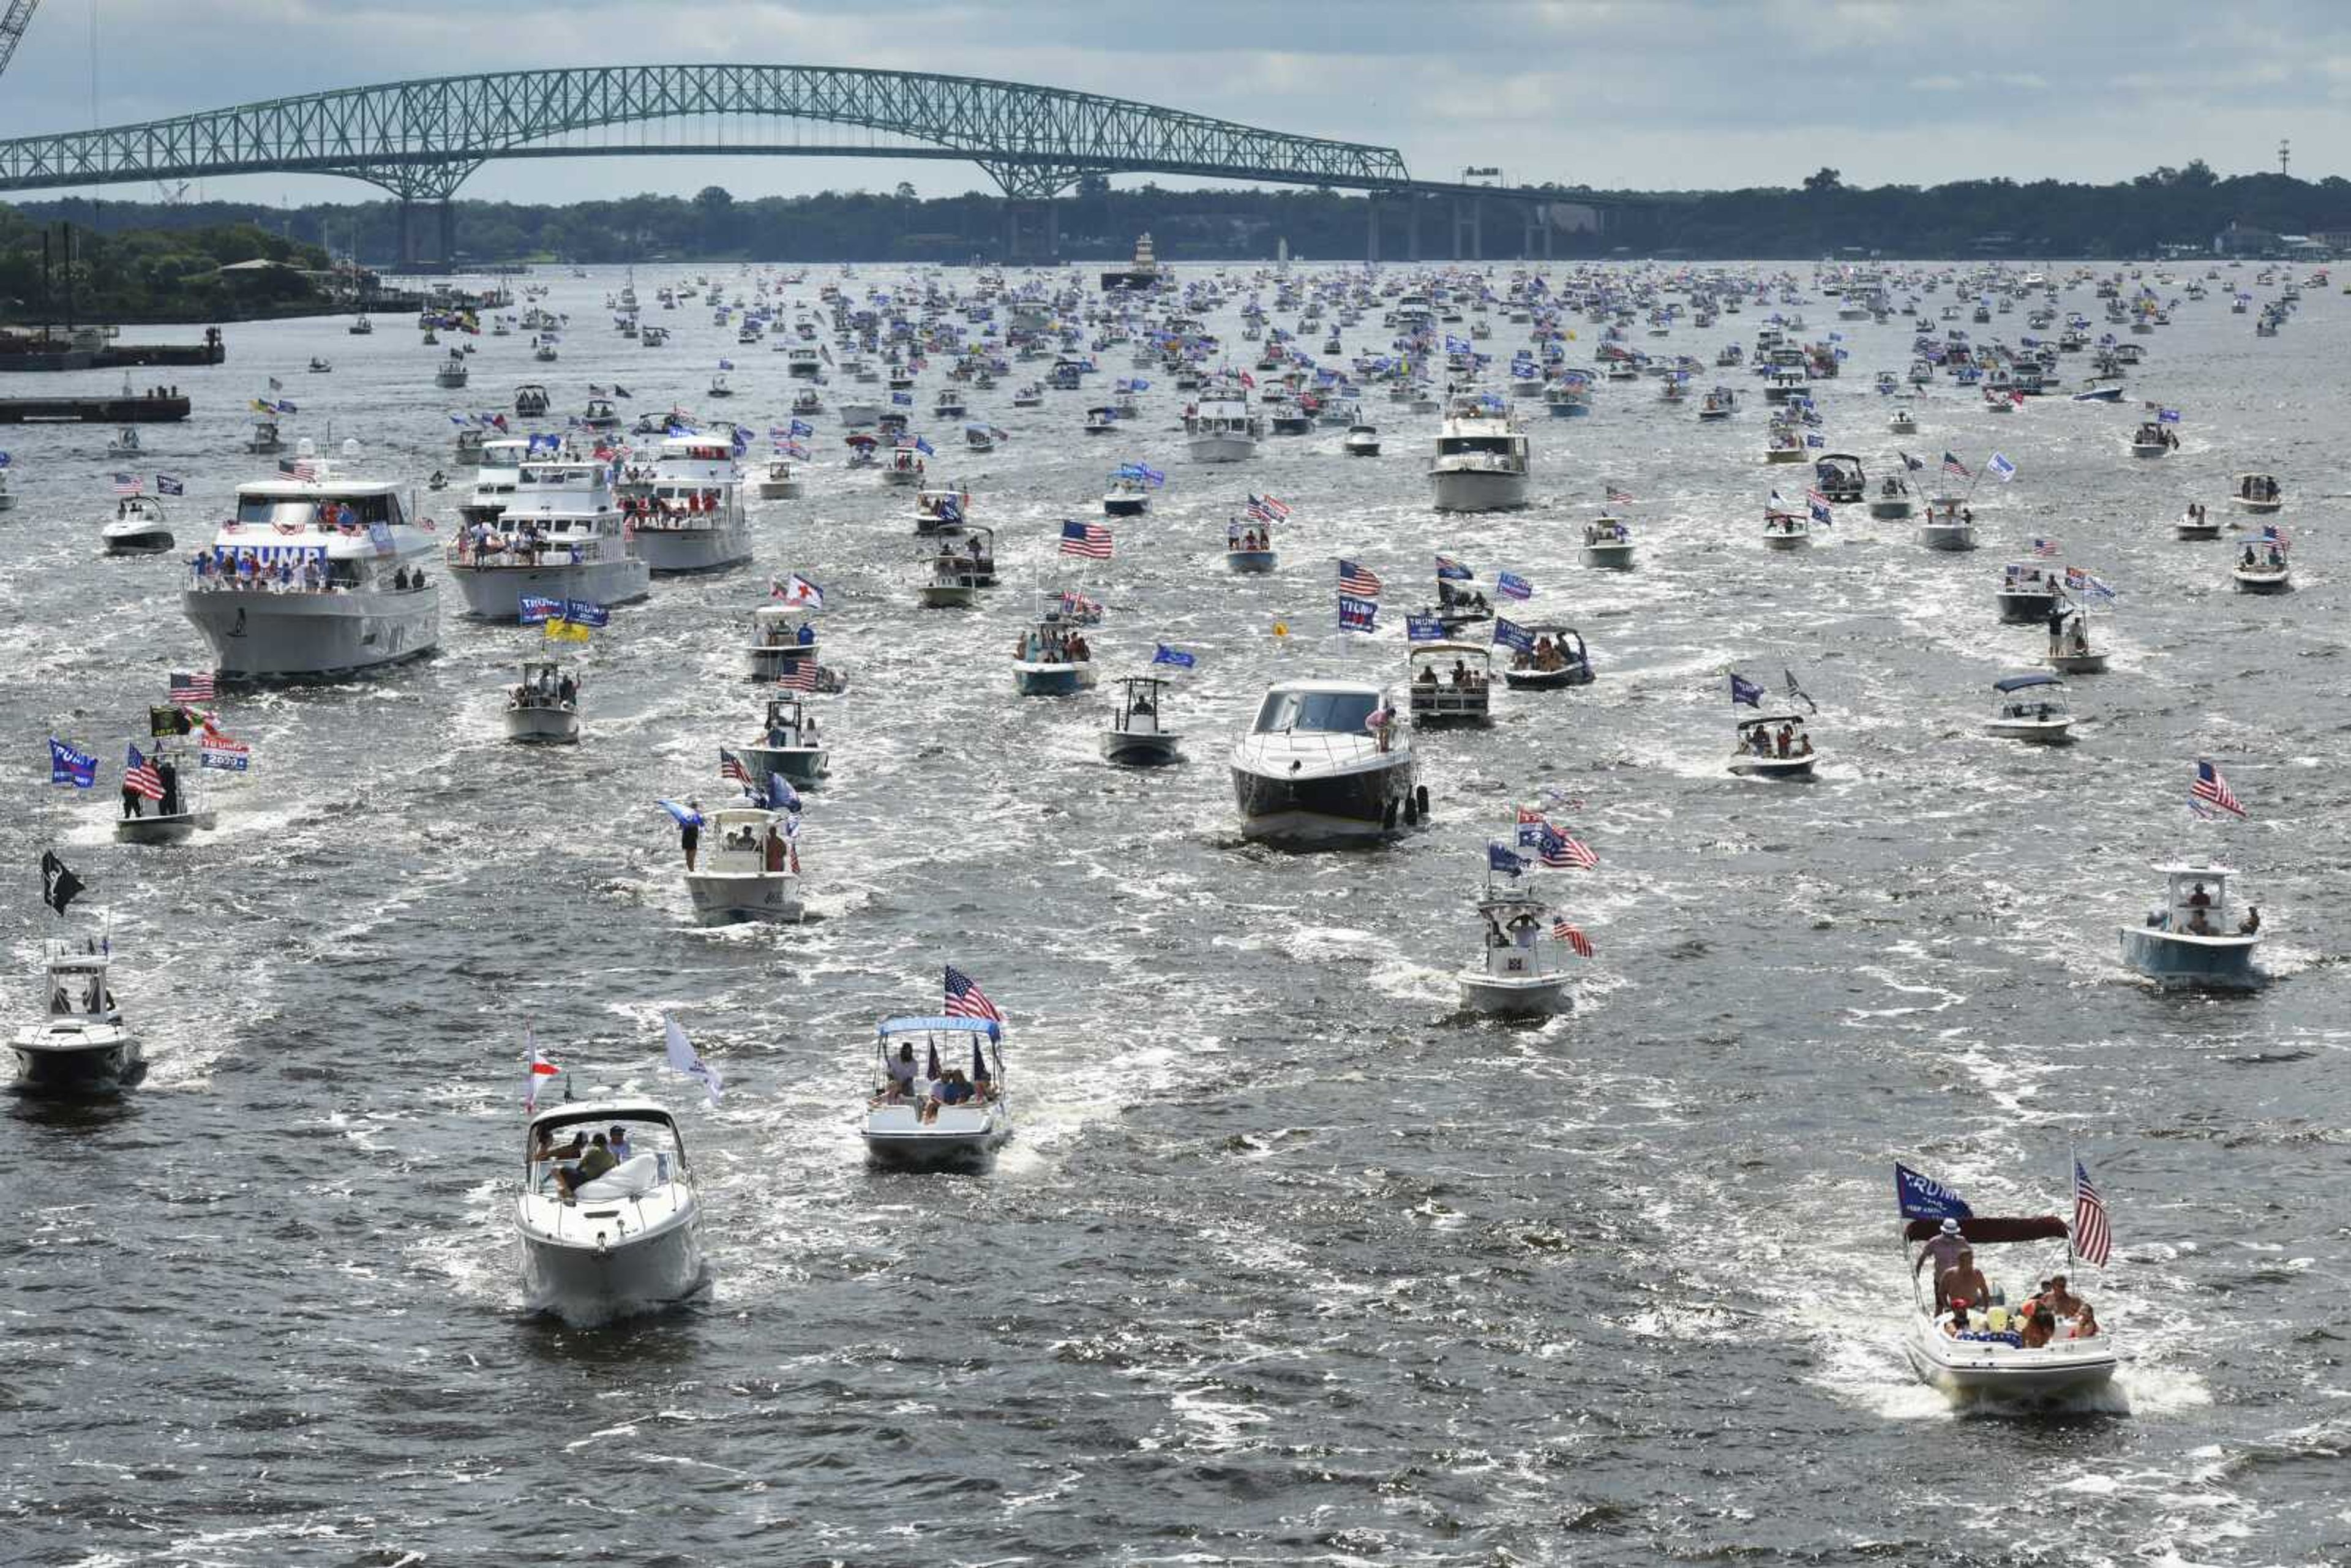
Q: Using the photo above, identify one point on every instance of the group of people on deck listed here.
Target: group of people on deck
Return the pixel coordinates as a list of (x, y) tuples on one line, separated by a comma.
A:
[(1241, 537), (685, 503), (2274, 560), (1052, 645), (478, 543), (776, 634), (583, 1159), (1966, 1309), (1788, 740), (545, 689), (905, 1083), (2197, 921), (168, 804), (2258, 487), (1461, 678), (2161, 435), (1546, 655)]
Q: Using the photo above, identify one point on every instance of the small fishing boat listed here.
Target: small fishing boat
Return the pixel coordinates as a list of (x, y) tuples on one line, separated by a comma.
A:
[(2030, 706), (1949, 525), (1362, 440), (2075, 656), (1522, 970), (954, 576), (776, 643), (82, 1044), (624, 1239), (1137, 735), (923, 1113), (1983, 1355), (2028, 591), (1556, 660), (1462, 695), (1608, 544), (790, 743), (1773, 746), (2257, 494), (1126, 498), (1051, 659), (1248, 547), (360, 328), (136, 527), (165, 812), (2151, 439), (1893, 500), (1902, 422), (779, 482), (454, 372), (2261, 566), (749, 867), (2196, 523), (2189, 941), (904, 467), (544, 706), (1786, 530)]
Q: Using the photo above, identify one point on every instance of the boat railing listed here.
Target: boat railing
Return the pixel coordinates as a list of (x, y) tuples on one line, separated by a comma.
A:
[(498, 554), (1335, 747)]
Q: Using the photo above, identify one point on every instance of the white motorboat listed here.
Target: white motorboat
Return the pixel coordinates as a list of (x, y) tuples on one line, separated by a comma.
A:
[(561, 536), (691, 517), (2073, 654), (169, 813), (791, 746), (2028, 591), (2262, 567), (1902, 422), (1786, 530), (1325, 763), (125, 442), (921, 1112), (1949, 525), (544, 706), (1137, 735), (83, 1044), (136, 527), (2030, 706), (2257, 494), (1483, 460), (1773, 746), (314, 577), (1442, 696), (746, 868), (2196, 523), (779, 481), (904, 468), (1052, 659), (1221, 428), (624, 1239), (1249, 548), (454, 372), (2189, 941), (530, 401), (2151, 439), (1981, 1355), (1126, 498), (776, 644), (1608, 544), (1523, 970), (1362, 440), (1893, 501), (267, 437)]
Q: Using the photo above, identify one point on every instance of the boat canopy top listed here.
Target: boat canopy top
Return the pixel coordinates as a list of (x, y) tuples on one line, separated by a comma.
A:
[(2024, 682), (940, 1025), (1989, 1228), (583, 1113), (1770, 718)]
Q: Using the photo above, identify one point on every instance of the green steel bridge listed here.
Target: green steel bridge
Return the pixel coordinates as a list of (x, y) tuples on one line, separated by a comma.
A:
[(420, 139)]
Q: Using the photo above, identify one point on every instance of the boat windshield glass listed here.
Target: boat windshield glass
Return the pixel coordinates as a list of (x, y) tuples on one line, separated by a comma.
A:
[(1335, 713)]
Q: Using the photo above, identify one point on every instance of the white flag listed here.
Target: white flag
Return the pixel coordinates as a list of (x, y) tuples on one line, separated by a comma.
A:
[(687, 1060)]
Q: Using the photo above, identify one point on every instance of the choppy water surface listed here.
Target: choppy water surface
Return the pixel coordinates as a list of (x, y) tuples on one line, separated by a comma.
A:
[(1290, 1260)]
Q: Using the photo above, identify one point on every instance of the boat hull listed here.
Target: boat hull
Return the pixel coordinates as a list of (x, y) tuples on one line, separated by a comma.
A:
[(1051, 680), (2180, 961), (1512, 996), (261, 636), (1948, 536), (1221, 448), (1783, 768), (543, 726), (1478, 490), (779, 489), (1609, 558), (1890, 511), (2035, 732), (87, 1062), (155, 829), (807, 766), (2261, 581), (949, 595), (1974, 1370), (1250, 563), (1325, 811), (495, 592), (1141, 749), (592, 1282), (2023, 609), (667, 551), (2077, 663), (730, 898)]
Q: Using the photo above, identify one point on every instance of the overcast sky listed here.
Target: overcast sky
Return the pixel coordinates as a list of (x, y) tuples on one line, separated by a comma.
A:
[(1652, 94)]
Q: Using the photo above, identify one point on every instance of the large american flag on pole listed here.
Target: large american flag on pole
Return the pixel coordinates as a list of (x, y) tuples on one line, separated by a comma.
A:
[(1359, 581), (1090, 540), (2092, 1243), (966, 1000), (2212, 791), (195, 688), (140, 776)]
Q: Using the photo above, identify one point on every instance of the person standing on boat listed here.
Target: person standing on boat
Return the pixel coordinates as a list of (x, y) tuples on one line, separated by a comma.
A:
[(2060, 612), (130, 799), (1962, 1285), (689, 832), (169, 805), (1944, 1251)]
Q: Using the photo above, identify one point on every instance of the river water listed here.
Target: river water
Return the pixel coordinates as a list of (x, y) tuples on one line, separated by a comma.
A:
[(1290, 1260)]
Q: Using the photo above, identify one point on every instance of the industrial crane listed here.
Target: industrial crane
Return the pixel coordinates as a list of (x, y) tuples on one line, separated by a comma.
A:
[(12, 29)]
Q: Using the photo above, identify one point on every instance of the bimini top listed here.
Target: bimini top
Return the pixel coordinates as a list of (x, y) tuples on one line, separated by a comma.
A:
[(1988, 1228), (2024, 682), (988, 1027), (585, 1111)]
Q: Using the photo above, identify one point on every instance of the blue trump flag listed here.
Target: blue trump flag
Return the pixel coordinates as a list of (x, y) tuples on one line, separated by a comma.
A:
[(781, 796), (687, 817), (68, 766), (1504, 859), (902, 399), (1743, 690), (1164, 654), (1508, 634), (1357, 614), (1423, 628), (537, 609), (1923, 1199), (1511, 585), (1451, 570), (925, 447), (585, 612)]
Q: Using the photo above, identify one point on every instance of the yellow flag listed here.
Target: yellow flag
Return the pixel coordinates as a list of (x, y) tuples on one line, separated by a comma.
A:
[(566, 632), (1570, 335)]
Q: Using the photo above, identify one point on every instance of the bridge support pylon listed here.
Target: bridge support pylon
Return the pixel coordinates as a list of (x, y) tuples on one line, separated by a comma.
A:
[(1033, 230), (1468, 218)]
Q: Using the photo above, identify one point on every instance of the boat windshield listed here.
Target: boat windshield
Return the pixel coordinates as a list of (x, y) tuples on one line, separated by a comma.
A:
[(1330, 713)]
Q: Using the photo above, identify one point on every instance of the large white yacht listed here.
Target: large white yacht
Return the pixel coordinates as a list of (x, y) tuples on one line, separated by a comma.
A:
[(1481, 456), (691, 517), (1223, 429), (494, 479), (317, 575), (1325, 762), (561, 537)]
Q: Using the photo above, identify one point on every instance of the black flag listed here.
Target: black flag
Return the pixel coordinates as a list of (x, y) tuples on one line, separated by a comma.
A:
[(1795, 692), (59, 886)]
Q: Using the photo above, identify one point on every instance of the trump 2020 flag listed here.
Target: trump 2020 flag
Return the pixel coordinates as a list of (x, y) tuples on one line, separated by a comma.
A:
[(1743, 690), (688, 1060), (1922, 1198), (1511, 585), (1508, 634), (1357, 614), (68, 766), (1423, 628), (1504, 859), (1164, 654)]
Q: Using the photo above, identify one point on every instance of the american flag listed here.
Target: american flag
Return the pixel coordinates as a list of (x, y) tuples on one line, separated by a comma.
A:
[(967, 1001), (1266, 509), (2211, 791), (1573, 936), (2047, 550), (1951, 464), (2092, 1243), (798, 675), (1618, 498), (731, 766), (1562, 850), (1359, 581), (1090, 540), (128, 485), (140, 778), (196, 688)]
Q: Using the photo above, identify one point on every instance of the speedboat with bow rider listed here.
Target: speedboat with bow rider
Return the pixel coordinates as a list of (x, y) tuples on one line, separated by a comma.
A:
[(1555, 658), (83, 1043), (136, 527), (1326, 763), (1773, 746), (1979, 1352), (2030, 706), (625, 1239), (921, 1112)]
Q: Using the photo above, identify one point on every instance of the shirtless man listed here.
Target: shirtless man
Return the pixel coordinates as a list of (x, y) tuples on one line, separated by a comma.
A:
[(1963, 1284)]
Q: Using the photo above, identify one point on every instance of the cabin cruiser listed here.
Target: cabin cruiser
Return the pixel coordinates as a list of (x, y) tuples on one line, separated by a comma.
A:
[(1325, 762), (494, 480), (2028, 591), (922, 1113), (1949, 525), (136, 527), (2190, 941), (2261, 566), (2030, 706), (1608, 544), (776, 644), (1052, 659), (779, 482), (1555, 658), (314, 577), (1362, 440), (1248, 547), (1522, 970), (1135, 735), (1220, 429), (544, 706), (83, 1044), (790, 745), (1985, 1355), (625, 1238), (1773, 746), (562, 536), (691, 518), (1482, 458), (1462, 695), (747, 868), (2257, 494), (169, 814)]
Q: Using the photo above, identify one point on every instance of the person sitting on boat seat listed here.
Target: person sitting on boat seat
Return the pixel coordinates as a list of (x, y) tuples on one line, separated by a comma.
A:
[(2040, 1328), (1460, 674), (2249, 559), (901, 1068), (594, 1163), (2085, 1323), (2252, 923), (2197, 926), (617, 1140)]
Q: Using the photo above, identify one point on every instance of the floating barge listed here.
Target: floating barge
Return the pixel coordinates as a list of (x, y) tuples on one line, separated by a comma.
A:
[(90, 349), (118, 409)]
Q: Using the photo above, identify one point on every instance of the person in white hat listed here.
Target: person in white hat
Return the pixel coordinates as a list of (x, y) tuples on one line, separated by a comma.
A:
[(1945, 1249)]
